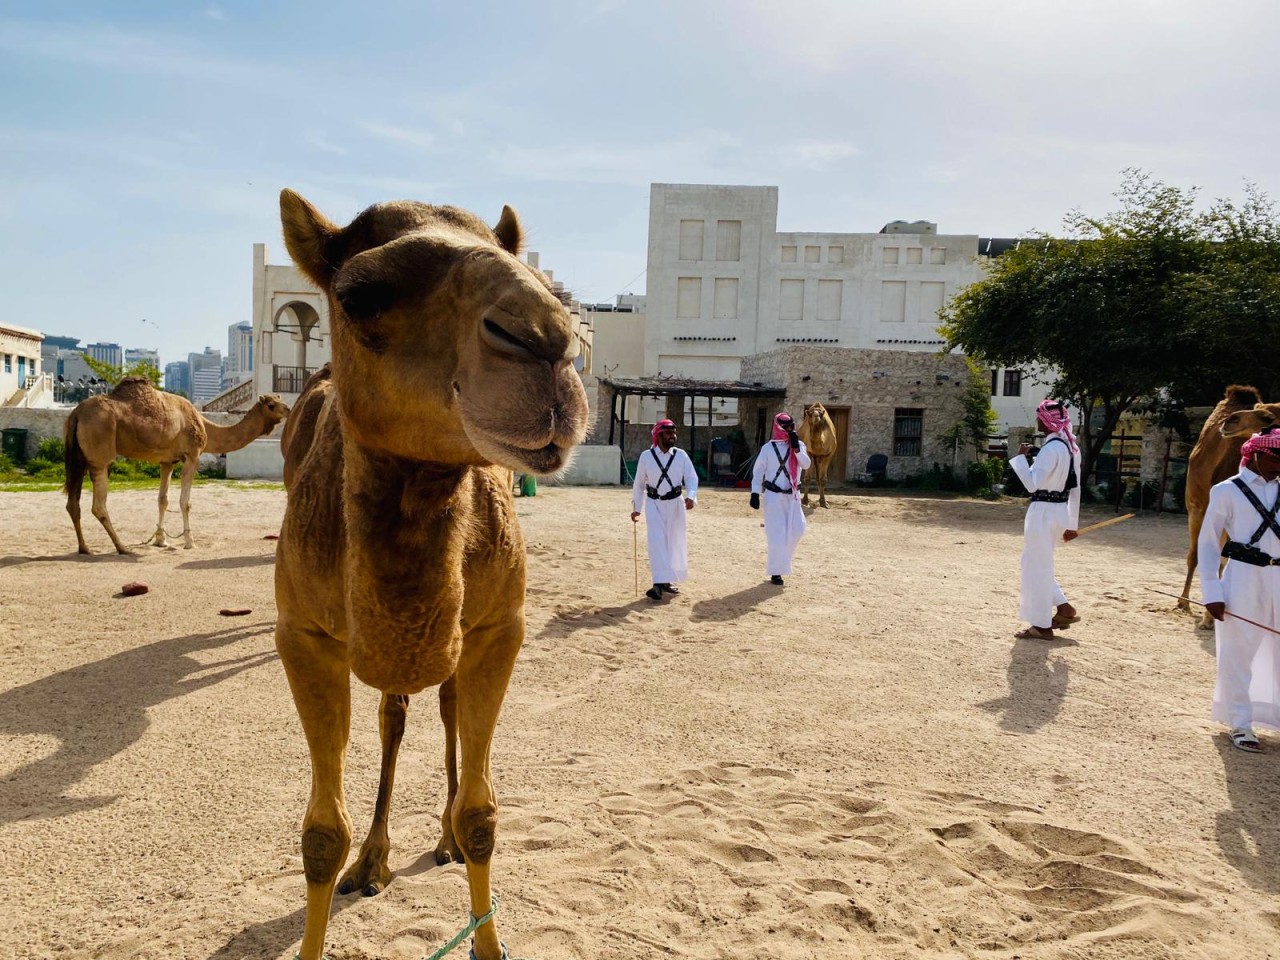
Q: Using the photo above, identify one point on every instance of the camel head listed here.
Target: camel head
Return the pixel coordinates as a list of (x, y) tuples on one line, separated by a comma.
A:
[(273, 410), (815, 414), (446, 347), (1245, 423)]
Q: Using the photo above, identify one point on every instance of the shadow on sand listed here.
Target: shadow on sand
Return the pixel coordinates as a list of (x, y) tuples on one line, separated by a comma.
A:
[(99, 709), (229, 563), (1248, 832), (72, 558), (1037, 686), (568, 622), (734, 605)]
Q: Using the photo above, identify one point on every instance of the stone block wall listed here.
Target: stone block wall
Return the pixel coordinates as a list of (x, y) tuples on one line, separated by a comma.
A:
[(872, 384)]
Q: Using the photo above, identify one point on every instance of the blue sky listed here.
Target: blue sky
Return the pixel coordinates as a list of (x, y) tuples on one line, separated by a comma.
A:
[(143, 144)]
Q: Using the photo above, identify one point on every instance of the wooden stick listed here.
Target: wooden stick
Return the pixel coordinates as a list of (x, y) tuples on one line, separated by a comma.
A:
[(1102, 523), (635, 552), (1227, 612)]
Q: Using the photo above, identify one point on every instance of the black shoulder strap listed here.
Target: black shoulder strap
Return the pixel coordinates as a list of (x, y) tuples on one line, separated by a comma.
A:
[(782, 464), (1268, 516), (1072, 480), (662, 471)]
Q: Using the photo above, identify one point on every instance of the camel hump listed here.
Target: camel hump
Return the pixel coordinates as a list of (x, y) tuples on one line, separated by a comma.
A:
[(1238, 393), (132, 387)]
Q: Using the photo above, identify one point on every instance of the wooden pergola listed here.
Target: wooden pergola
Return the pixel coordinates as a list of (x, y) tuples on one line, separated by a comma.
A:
[(675, 387)]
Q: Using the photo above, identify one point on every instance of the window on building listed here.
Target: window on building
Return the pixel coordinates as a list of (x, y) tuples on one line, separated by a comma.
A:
[(690, 239), (835, 254), (689, 298), (8, 363), (788, 254), (728, 239), (915, 254), (931, 297), (830, 293), (726, 299), (812, 254), (908, 429), (791, 300), (893, 301), (890, 254), (938, 255), (1013, 382), (995, 382)]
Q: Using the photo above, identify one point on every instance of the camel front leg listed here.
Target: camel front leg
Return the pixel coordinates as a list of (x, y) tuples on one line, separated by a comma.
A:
[(158, 538), (73, 508), (806, 479), (319, 677), (484, 670), (447, 849), (822, 486), (370, 873), (99, 478), (188, 474)]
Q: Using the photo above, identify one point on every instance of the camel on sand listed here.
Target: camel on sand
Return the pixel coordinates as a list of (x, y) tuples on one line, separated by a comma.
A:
[(1216, 456), (818, 434), (137, 420), (400, 559)]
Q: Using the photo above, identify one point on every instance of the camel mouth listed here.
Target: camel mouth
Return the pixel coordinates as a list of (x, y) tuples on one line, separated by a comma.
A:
[(550, 458)]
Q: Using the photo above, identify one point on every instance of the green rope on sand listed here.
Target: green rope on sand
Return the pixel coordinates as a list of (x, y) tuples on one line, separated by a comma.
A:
[(466, 931)]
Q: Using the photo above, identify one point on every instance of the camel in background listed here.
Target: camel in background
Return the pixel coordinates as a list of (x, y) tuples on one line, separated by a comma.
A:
[(400, 558), (818, 434), (137, 420), (1215, 457)]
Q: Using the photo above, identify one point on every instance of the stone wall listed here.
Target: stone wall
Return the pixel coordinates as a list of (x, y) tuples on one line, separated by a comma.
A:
[(872, 384)]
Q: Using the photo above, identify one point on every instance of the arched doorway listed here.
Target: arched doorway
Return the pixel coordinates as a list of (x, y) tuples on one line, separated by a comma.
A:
[(300, 320)]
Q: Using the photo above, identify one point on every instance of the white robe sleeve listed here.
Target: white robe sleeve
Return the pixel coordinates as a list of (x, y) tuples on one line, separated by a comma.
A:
[(690, 477), (637, 488), (1209, 543), (1073, 498), (757, 472)]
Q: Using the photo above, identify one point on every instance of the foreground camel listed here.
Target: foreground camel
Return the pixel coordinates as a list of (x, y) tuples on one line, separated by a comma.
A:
[(818, 434), (137, 420), (400, 559), (1215, 457)]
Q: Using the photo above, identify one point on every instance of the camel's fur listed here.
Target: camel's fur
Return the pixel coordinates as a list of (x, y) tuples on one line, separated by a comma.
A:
[(818, 433), (137, 420), (1215, 457), (400, 558)]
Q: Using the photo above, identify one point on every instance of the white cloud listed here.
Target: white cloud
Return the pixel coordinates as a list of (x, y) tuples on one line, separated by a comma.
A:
[(408, 136), (817, 154), (215, 12)]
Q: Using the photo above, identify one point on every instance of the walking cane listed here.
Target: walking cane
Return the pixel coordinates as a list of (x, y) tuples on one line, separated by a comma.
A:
[(1103, 523), (635, 553), (1227, 612)]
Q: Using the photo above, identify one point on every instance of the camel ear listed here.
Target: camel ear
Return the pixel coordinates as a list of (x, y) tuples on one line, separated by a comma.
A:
[(307, 235), (509, 232)]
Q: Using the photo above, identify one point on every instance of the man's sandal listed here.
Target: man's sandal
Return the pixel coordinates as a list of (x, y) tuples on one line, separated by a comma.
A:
[(1062, 623), (1034, 633), (1244, 739)]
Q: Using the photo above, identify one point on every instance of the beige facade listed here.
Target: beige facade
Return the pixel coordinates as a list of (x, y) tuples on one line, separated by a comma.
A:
[(22, 381)]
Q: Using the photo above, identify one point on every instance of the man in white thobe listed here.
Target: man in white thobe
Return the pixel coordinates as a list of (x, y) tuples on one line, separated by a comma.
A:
[(666, 487), (1243, 509), (776, 477), (1053, 480)]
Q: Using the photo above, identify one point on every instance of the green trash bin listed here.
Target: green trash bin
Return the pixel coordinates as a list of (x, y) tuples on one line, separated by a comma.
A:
[(14, 445), (528, 485)]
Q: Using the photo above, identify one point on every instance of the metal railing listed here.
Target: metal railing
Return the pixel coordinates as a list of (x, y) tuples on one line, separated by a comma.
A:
[(290, 379)]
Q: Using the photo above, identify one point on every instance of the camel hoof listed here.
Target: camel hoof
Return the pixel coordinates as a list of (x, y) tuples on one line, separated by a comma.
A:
[(823, 504), (85, 551), (444, 856)]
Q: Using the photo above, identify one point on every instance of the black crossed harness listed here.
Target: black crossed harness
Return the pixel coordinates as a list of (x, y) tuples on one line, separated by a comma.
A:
[(652, 491), (1268, 516), (782, 468), (1063, 495)]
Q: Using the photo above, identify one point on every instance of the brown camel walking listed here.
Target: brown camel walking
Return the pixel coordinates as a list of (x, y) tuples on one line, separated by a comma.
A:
[(400, 559), (1215, 457), (137, 420), (818, 433)]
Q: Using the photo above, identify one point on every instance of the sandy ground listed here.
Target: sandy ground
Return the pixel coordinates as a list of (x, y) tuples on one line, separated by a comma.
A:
[(863, 764)]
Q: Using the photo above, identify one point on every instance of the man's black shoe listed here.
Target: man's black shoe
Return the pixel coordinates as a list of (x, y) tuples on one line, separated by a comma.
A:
[(776, 580), (669, 588), (653, 593)]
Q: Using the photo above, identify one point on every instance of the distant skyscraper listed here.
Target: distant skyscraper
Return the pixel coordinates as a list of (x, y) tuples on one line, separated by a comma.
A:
[(109, 353), (177, 377), (206, 375), (239, 353), (139, 354)]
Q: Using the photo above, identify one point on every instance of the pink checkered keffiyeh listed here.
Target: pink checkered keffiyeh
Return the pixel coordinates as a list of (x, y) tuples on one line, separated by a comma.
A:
[(1053, 416), (657, 428), (1259, 441)]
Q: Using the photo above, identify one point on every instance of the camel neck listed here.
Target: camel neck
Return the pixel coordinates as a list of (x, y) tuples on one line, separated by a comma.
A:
[(225, 439)]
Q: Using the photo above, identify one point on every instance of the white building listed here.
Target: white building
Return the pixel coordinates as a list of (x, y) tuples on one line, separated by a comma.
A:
[(22, 383), (239, 359), (134, 355), (108, 353), (724, 284)]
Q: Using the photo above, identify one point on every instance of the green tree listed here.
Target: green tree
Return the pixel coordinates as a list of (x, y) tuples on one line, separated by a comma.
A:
[(1152, 301), (979, 420), (113, 374)]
